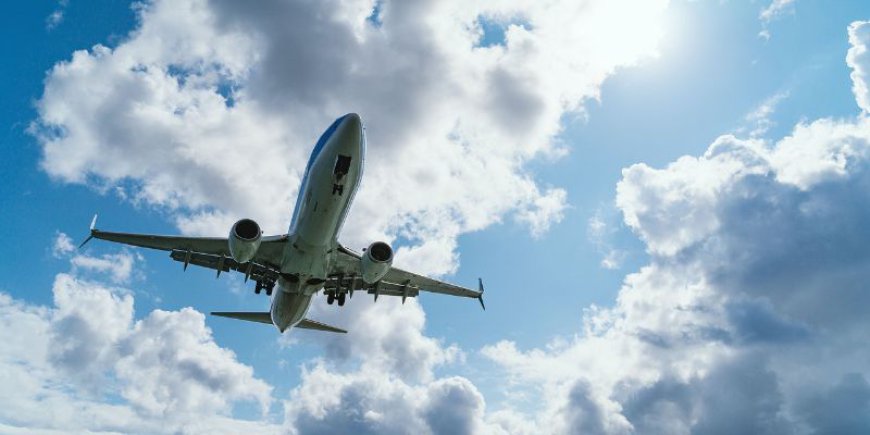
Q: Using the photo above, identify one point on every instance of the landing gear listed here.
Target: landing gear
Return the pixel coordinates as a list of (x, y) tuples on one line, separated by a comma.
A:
[(267, 285), (331, 298)]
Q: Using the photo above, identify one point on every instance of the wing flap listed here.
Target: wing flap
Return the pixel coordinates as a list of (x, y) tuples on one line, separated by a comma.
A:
[(257, 272)]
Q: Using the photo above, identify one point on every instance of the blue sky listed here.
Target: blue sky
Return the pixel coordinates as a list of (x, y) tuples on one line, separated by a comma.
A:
[(538, 236)]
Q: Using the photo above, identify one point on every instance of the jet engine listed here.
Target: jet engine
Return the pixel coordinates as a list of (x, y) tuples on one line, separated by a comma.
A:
[(244, 240), (376, 261)]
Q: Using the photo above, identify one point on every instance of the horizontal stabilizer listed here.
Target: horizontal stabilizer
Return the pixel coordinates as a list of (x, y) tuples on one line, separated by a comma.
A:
[(310, 324), (249, 316), (267, 319)]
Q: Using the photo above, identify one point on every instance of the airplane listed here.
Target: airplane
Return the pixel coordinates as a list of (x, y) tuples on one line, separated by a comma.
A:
[(309, 257)]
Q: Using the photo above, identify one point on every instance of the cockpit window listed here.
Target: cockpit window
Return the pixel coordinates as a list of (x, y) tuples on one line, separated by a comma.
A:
[(342, 165)]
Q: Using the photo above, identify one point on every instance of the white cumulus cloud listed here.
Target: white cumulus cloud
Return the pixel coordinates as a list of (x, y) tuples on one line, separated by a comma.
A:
[(208, 110), (749, 317), (97, 369), (858, 58)]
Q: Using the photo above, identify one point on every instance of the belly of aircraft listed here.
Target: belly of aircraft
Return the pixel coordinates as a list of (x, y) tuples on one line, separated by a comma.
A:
[(289, 307), (322, 215)]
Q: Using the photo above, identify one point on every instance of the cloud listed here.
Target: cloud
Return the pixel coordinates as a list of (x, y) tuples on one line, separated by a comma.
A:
[(97, 369), (118, 267), (752, 299), (746, 318), (843, 408), (773, 11), (63, 245), (171, 367), (749, 312), (56, 17), (858, 58), (454, 406), (213, 116), (376, 402), (208, 111), (386, 335), (585, 413), (759, 119), (599, 230)]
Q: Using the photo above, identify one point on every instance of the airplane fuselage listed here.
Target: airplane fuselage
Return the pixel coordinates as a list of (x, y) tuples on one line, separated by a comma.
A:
[(331, 178)]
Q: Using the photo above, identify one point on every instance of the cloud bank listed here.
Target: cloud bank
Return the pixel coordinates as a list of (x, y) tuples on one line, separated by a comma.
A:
[(750, 316), (84, 364), (208, 111)]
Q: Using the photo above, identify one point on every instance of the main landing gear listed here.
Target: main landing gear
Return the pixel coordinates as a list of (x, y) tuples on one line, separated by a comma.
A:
[(331, 298), (267, 285)]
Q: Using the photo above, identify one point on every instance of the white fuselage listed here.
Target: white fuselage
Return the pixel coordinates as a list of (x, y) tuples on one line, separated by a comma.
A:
[(328, 186)]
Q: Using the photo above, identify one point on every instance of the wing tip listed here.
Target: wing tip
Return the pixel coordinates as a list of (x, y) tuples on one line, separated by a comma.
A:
[(480, 296), (91, 230)]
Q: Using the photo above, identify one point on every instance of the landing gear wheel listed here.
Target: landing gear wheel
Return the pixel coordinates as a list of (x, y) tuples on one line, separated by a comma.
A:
[(258, 289), (341, 300), (330, 299)]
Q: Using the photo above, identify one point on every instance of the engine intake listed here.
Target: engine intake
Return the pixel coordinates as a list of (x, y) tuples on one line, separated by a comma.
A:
[(376, 262), (244, 240)]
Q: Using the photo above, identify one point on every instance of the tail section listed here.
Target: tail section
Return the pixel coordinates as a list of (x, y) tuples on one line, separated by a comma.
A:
[(266, 318)]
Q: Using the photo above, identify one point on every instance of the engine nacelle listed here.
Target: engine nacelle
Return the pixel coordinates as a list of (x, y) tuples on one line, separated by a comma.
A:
[(244, 240), (376, 261)]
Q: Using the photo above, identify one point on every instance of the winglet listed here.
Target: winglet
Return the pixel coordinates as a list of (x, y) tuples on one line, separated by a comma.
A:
[(480, 297), (92, 229)]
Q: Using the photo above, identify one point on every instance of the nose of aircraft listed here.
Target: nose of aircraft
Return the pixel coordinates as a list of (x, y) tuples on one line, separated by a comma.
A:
[(352, 119), (350, 131)]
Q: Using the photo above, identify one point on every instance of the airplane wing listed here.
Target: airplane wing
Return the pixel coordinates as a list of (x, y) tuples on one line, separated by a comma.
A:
[(397, 282), (209, 252)]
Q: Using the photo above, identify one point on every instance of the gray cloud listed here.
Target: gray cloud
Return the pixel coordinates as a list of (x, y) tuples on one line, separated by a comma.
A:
[(665, 406), (454, 406), (842, 409), (759, 322), (583, 414), (740, 396)]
